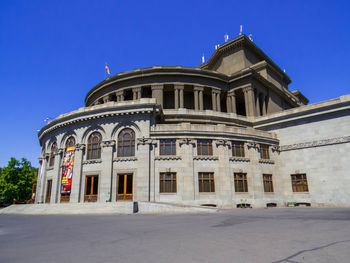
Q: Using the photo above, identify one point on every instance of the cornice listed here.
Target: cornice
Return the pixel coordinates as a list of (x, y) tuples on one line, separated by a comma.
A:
[(93, 161), (239, 159), (205, 158), (98, 112), (316, 143), (125, 159), (168, 158), (266, 161)]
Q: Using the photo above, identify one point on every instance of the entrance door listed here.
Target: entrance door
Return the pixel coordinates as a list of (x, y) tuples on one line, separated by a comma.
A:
[(48, 191), (124, 187), (91, 188)]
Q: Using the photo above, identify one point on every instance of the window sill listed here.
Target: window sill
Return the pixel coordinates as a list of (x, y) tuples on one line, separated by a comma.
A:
[(168, 157), (125, 159), (268, 161), (239, 159), (50, 168), (168, 193), (207, 193), (92, 161), (206, 157)]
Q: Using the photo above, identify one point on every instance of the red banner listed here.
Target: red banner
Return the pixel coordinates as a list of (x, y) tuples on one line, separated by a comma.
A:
[(67, 171)]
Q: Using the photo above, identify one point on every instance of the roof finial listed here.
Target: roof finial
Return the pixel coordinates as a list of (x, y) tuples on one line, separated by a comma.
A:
[(251, 37), (241, 30), (203, 60), (226, 37)]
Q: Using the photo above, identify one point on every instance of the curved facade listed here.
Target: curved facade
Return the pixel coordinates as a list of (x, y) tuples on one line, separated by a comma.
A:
[(218, 134)]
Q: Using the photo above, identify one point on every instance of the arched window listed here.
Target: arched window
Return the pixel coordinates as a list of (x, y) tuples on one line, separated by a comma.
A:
[(52, 154), (70, 142), (94, 146), (126, 143)]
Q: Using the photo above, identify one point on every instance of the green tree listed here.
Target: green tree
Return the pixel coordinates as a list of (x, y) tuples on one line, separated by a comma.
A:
[(16, 180)]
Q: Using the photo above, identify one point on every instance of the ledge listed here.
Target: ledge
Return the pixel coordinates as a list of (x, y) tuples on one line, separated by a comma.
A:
[(92, 161), (207, 158), (239, 159), (168, 157), (125, 159), (268, 161)]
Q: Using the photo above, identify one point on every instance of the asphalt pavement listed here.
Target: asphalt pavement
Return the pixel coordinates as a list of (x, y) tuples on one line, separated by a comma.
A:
[(240, 235)]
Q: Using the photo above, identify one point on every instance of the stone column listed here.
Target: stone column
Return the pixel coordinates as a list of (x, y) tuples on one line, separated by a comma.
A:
[(196, 106), (257, 104), (106, 176), (213, 99), (201, 98), (233, 102), (264, 105), (106, 99), (120, 95), (157, 93), (136, 93), (181, 91), (249, 101), (228, 103), (218, 100), (77, 173), (56, 180), (176, 97)]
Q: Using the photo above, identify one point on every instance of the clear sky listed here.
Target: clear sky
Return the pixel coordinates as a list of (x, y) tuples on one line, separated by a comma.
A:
[(53, 52)]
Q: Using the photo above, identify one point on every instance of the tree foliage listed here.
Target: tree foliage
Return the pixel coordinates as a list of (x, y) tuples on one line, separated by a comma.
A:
[(16, 180)]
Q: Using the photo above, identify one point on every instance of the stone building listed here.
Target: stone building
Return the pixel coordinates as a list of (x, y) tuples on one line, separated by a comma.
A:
[(226, 133)]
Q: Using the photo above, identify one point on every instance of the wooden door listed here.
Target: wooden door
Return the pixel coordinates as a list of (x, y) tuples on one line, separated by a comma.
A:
[(48, 191), (124, 187), (91, 188)]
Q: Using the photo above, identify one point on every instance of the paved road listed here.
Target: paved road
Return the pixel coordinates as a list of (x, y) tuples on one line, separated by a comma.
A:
[(246, 235)]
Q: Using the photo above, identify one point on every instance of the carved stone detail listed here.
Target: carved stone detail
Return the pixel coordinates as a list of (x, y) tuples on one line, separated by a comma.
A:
[(144, 141), (206, 158), (167, 157), (125, 159), (92, 161), (318, 143), (80, 147), (223, 143), (268, 161), (275, 148), (252, 144), (110, 143), (239, 159), (187, 141)]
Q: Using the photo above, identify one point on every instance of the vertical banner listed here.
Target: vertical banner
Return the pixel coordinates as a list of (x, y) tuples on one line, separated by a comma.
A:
[(67, 170)]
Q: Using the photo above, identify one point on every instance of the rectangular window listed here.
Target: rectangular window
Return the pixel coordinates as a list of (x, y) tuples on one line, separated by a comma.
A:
[(237, 149), (204, 147), (268, 185), (241, 183), (206, 182), (264, 151), (91, 188), (167, 183), (167, 147), (299, 183)]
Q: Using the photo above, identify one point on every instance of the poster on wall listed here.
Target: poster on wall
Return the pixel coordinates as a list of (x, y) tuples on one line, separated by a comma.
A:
[(67, 171)]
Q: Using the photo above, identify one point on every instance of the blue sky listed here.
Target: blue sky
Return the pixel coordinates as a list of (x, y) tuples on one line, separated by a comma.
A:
[(53, 52)]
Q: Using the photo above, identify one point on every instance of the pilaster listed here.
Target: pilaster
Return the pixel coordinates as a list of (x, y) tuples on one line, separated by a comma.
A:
[(77, 173), (213, 99), (56, 180), (105, 180)]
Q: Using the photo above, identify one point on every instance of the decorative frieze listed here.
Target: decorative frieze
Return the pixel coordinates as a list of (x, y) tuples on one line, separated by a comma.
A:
[(239, 159), (168, 158), (125, 159), (94, 161), (312, 144), (252, 144), (267, 161), (205, 158)]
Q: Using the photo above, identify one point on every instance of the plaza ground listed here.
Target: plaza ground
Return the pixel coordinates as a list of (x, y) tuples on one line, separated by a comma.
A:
[(240, 235)]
